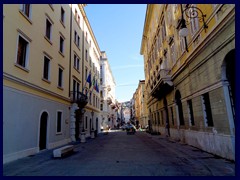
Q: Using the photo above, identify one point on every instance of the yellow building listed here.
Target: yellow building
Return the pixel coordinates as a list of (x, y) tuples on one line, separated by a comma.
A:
[(140, 107), (46, 57), (85, 63), (189, 57)]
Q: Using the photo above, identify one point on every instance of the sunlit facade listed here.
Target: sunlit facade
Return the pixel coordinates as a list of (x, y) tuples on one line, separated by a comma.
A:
[(140, 106), (190, 79), (108, 104), (48, 52)]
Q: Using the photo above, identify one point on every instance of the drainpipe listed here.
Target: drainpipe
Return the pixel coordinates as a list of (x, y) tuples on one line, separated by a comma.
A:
[(70, 56)]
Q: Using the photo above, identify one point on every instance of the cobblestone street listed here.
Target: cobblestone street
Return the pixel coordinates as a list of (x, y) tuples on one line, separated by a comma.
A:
[(119, 154)]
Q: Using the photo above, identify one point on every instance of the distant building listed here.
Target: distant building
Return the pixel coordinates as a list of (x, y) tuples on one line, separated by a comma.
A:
[(190, 74), (140, 107), (108, 104)]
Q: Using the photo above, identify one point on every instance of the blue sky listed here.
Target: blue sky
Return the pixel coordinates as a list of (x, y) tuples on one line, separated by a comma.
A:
[(118, 29)]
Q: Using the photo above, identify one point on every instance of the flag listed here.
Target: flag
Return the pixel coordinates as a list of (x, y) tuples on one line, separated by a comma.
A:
[(89, 79), (96, 87), (93, 82)]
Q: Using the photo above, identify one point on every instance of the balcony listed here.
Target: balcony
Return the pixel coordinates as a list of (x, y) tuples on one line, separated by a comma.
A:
[(162, 84), (109, 100), (79, 98)]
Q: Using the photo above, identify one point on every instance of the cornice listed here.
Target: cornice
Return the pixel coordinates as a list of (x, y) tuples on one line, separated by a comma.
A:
[(33, 86)]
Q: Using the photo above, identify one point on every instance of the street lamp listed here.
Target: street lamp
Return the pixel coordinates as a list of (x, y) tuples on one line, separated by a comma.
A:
[(191, 12), (92, 130)]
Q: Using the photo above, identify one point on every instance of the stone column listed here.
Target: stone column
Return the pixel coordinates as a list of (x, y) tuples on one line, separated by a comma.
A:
[(82, 131), (74, 107)]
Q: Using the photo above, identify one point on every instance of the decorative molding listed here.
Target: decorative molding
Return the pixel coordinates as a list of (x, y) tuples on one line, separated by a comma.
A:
[(33, 86)]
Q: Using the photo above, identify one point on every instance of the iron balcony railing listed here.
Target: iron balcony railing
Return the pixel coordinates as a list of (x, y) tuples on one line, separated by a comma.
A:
[(79, 98)]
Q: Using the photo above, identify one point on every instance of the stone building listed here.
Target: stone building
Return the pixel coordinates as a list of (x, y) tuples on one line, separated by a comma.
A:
[(189, 63)]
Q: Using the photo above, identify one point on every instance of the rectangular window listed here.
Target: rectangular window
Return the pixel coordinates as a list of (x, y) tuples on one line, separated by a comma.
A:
[(60, 77), (207, 110), (59, 121), (22, 53), (78, 41), (76, 62), (61, 44), (62, 15), (75, 37), (48, 29), (76, 89), (190, 112), (26, 9), (46, 68)]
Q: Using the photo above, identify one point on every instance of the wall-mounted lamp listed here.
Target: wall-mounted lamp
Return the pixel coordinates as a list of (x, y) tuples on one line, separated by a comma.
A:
[(191, 12)]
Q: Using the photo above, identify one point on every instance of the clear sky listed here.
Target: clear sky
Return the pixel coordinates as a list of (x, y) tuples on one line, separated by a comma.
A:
[(118, 29)]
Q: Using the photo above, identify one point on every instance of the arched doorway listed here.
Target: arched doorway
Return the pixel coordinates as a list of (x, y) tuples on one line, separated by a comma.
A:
[(43, 131), (228, 75), (179, 107), (166, 116)]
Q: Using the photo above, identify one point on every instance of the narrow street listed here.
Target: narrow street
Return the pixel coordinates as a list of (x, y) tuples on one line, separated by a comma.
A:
[(119, 154)]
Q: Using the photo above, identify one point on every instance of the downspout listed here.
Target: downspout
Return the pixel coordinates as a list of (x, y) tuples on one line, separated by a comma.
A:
[(70, 56)]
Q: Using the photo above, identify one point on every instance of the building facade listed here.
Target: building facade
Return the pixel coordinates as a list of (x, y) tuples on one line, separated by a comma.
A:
[(140, 105), (190, 74), (84, 80), (108, 103), (47, 51)]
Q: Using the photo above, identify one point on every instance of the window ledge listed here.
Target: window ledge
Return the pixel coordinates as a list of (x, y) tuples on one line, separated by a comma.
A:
[(51, 7), (50, 42), (46, 80), (26, 17), (58, 133), (60, 88), (77, 45), (76, 69), (61, 53), (62, 23), (22, 68)]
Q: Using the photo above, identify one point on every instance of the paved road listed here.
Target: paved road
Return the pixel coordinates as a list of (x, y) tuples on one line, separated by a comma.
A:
[(119, 154)]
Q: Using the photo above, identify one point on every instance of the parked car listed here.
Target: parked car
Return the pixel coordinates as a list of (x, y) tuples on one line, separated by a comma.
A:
[(123, 127), (131, 129)]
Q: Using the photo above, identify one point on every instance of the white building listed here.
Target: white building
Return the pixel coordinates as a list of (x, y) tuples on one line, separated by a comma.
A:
[(107, 93)]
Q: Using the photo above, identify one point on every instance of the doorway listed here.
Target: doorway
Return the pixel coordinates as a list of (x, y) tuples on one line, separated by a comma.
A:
[(43, 131), (228, 74)]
